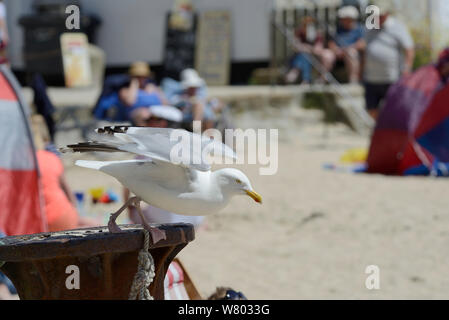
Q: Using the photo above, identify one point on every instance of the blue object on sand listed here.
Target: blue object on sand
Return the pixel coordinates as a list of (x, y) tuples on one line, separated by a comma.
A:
[(113, 197)]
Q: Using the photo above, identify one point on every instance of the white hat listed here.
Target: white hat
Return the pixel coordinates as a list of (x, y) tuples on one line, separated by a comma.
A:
[(191, 79), (348, 12), (166, 112)]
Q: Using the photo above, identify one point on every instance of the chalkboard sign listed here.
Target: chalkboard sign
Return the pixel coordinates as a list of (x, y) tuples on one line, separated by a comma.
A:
[(179, 51), (212, 58)]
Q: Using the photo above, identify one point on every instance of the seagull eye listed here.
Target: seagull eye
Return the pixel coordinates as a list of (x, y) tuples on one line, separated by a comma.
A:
[(238, 181)]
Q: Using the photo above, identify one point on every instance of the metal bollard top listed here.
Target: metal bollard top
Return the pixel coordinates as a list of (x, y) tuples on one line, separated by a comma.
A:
[(88, 242)]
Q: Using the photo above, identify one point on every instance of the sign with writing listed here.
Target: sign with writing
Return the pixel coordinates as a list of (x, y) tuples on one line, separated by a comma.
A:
[(213, 48), (75, 59)]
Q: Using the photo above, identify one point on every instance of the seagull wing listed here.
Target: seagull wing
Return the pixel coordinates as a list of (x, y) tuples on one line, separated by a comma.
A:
[(169, 145), (169, 176)]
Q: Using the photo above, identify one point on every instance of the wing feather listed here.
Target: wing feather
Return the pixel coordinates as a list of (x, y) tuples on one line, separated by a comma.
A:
[(174, 146)]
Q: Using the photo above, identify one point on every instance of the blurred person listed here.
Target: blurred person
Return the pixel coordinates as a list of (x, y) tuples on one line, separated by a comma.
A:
[(4, 35), (348, 42), (389, 55), (309, 42), (140, 94), (193, 102), (59, 200)]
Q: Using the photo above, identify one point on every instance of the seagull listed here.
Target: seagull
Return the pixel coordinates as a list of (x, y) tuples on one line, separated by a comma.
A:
[(179, 182)]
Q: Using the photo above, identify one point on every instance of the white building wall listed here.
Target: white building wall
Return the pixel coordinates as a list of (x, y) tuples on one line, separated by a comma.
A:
[(135, 29)]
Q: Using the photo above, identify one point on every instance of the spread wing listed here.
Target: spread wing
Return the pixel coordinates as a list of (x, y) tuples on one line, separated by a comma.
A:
[(175, 146), (165, 174)]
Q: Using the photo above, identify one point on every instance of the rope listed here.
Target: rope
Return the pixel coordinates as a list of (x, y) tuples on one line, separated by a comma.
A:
[(145, 273)]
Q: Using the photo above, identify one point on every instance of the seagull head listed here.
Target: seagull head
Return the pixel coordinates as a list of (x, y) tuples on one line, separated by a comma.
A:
[(235, 182)]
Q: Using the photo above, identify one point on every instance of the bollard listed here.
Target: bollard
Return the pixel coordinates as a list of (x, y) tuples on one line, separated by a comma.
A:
[(87, 263)]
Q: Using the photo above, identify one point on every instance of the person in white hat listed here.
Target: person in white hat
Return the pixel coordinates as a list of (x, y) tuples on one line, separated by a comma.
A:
[(389, 55), (190, 79), (348, 43), (193, 100)]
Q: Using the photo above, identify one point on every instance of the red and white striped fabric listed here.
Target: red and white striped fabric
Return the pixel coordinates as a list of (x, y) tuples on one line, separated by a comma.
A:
[(174, 283), (20, 202)]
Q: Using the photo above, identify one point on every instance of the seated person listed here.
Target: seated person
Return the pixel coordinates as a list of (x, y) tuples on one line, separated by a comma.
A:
[(192, 100), (309, 42), (140, 94), (60, 203), (348, 42)]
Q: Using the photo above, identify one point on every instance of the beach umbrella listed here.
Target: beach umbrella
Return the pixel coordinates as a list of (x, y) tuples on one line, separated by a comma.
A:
[(21, 211), (412, 133)]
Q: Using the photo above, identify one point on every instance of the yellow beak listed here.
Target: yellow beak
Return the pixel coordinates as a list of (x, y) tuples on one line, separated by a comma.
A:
[(253, 194)]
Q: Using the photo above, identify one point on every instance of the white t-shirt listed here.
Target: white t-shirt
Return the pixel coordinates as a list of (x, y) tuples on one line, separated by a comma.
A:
[(384, 52)]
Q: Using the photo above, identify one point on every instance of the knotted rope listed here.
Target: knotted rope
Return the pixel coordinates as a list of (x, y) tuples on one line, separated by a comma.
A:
[(145, 273)]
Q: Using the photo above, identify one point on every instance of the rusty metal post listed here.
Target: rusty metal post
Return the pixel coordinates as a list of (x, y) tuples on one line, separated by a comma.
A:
[(37, 263)]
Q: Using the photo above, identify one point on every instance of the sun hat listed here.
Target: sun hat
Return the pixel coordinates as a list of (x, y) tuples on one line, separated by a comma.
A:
[(191, 79), (139, 69), (168, 113), (348, 12)]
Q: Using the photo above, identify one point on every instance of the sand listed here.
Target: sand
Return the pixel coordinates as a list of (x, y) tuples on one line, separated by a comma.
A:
[(317, 230)]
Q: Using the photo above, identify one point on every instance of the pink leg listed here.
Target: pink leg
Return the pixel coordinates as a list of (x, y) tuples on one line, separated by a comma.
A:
[(352, 63), (112, 225), (156, 234)]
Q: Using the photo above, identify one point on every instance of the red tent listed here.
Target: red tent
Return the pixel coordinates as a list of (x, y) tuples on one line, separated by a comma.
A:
[(21, 210), (412, 132)]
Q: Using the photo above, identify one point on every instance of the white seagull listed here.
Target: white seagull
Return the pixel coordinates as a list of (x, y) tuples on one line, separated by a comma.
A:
[(180, 182)]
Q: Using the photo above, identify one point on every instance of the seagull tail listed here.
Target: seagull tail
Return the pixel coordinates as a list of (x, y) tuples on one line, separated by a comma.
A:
[(96, 165)]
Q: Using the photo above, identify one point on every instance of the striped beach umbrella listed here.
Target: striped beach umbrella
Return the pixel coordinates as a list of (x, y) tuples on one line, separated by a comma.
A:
[(21, 210)]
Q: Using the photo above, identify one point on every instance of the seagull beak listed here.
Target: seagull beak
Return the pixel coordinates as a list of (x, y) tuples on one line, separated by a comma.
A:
[(253, 194)]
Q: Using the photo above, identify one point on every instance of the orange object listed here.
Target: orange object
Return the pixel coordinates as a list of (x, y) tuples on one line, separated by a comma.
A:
[(61, 214), (105, 198)]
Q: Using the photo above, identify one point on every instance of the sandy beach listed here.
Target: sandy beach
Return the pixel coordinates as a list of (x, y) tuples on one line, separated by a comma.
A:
[(317, 230)]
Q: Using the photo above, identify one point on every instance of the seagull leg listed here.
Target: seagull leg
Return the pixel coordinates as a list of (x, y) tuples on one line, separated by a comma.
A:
[(156, 233), (112, 225)]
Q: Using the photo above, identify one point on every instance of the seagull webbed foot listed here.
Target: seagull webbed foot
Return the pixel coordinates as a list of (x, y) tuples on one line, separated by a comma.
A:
[(112, 226), (156, 233)]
